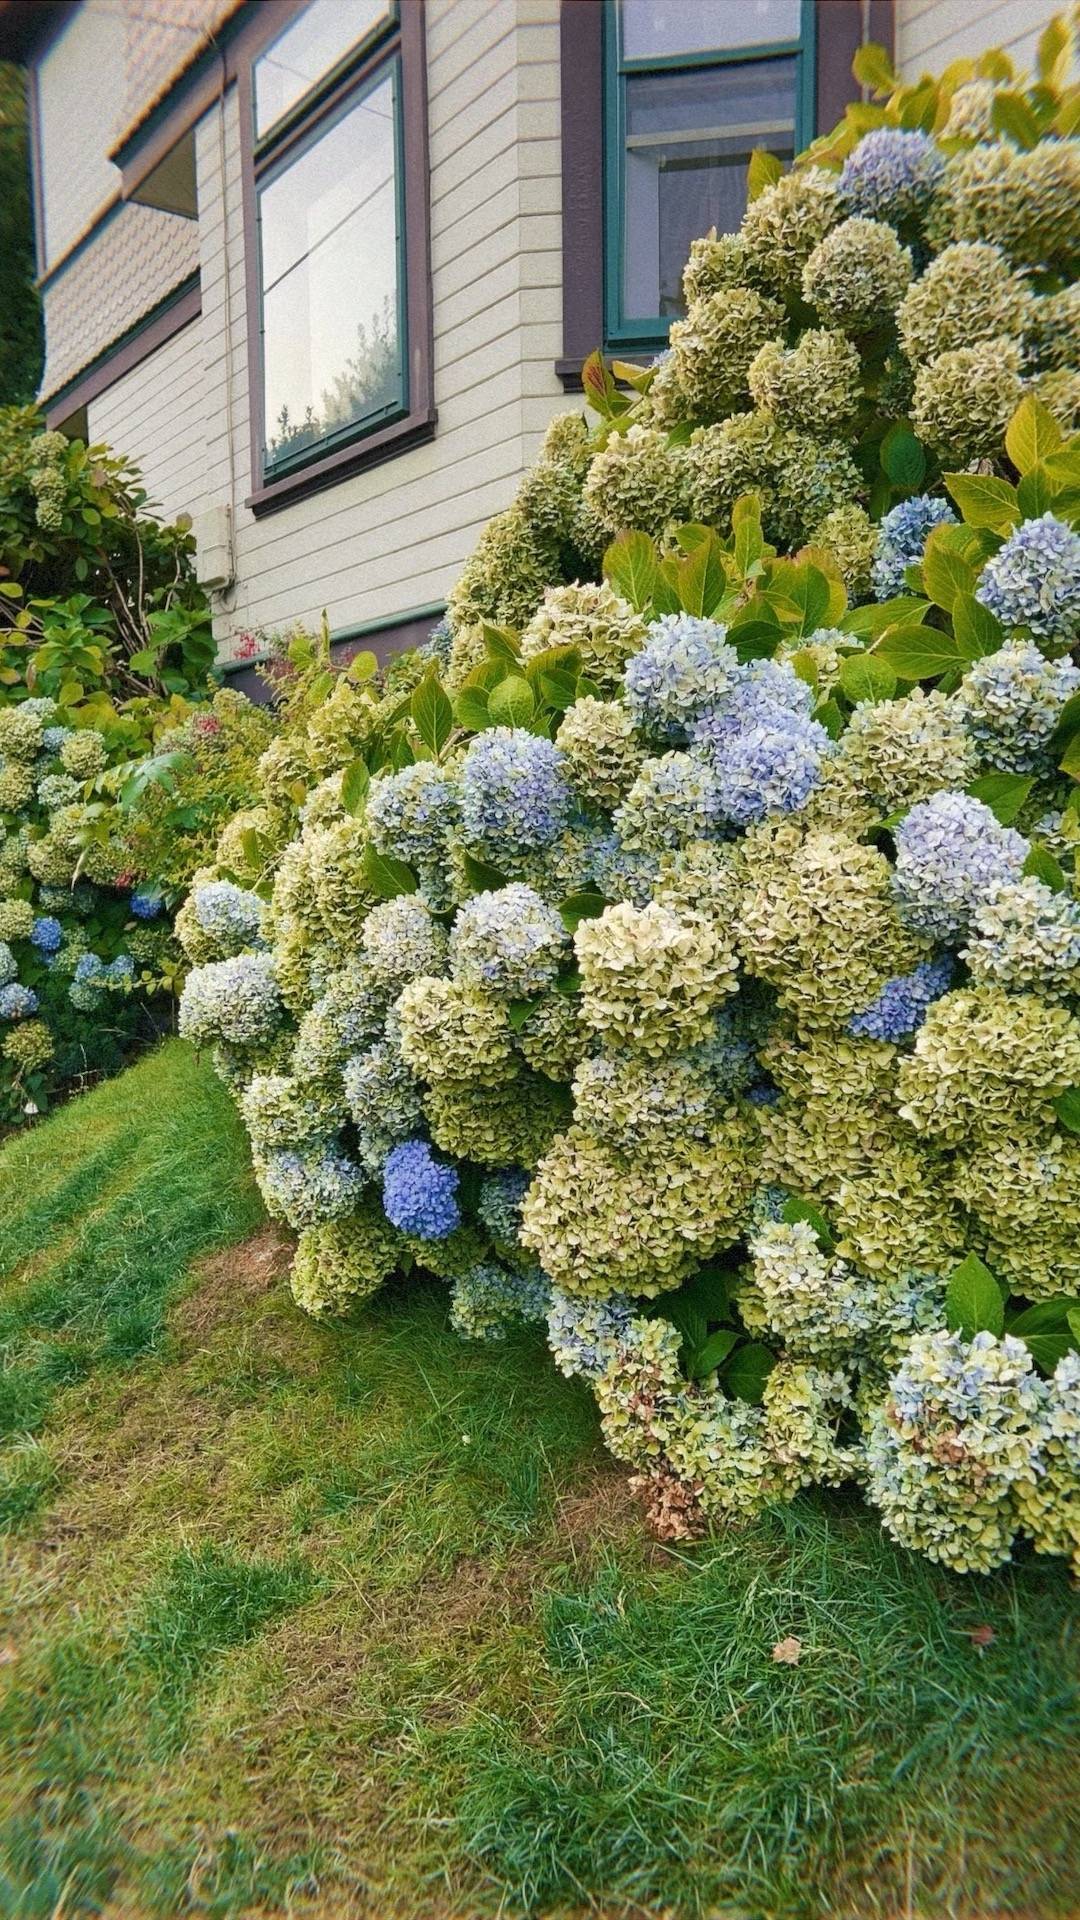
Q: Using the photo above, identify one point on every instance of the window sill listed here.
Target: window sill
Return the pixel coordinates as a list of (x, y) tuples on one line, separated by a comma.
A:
[(371, 451)]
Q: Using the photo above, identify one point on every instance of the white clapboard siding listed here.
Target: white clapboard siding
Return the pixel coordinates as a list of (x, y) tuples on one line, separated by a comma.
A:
[(931, 33), (394, 538), (155, 415)]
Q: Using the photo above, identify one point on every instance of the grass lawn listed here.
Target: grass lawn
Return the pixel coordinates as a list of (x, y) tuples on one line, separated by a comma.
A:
[(359, 1621)]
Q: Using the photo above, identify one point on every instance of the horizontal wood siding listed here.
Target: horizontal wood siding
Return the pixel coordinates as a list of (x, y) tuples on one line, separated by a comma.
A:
[(931, 33), (155, 415), (395, 537)]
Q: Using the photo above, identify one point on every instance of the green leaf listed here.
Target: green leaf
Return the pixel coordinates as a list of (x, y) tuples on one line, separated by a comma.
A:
[(601, 389), (502, 644), (984, 501), (745, 1373), (480, 876), (749, 539), (973, 1302), (1055, 52), (1041, 865), (945, 572), (1067, 1108), (918, 653), (829, 715), (763, 170), (471, 709), (711, 1354), (873, 68), (1003, 793), (865, 623), (977, 630), (1037, 492), (798, 1209), (11, 589), (587, 905), (1031, 434), (902, 457), (799, 593), (1070, 759), (511, 703), (630, 568), (702, 579), (363, 666), (387, 877), (354, 785), (866, 676), (518, 1012), (1068, 725), (1013, 116), (1046, 1349), (1073, 1317)]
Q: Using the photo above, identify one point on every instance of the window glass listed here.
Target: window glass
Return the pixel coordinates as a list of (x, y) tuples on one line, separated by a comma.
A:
[(688, 139), (299, 57), (656, 28), (332, 309)]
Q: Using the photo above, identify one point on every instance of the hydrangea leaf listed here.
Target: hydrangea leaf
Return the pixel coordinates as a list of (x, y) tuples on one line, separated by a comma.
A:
[(481, 876), (387, 877), (577, 907), (1013, 116), (1031, 434), (354, 785), (471, 708), (918, 653), (1041, 865), (866, 676), (432, 714), (511, 703), (763, 170), (973, 1302), (745, 1373), (866, 623), (1003, 793), (945, 572), (1067, 1108), (799, 1209), (977, 630), (630, 565), (702, 579), (711, 1354), (873, 68), (903, 457), (985, 501), (1036, 492)]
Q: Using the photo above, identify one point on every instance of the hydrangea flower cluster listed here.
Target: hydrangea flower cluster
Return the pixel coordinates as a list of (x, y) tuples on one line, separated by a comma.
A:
[(65, 902), (712, 1013)]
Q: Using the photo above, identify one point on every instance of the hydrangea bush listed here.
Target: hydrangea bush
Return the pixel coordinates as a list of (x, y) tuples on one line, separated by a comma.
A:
[(687, 951)]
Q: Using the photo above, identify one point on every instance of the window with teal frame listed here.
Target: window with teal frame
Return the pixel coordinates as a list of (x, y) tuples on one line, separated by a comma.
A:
[(332, 274), (691, 87)]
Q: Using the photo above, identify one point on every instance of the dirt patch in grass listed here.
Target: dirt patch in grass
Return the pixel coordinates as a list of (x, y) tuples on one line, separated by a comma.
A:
[(247, 1273)]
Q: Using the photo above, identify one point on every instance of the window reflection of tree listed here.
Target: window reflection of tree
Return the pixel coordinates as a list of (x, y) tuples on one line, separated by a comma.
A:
[(369, 382)]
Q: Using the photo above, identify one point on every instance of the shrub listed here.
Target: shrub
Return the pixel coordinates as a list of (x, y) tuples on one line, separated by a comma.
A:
[(702, 958)]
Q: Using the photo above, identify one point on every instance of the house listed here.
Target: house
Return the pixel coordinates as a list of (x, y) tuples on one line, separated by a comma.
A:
[(326, 268)]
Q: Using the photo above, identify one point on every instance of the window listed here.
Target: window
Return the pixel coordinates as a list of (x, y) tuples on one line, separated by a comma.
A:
[(339, 276), (689, 92)]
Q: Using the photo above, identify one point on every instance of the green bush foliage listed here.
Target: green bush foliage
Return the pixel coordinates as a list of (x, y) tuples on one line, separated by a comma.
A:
[(690, 956)]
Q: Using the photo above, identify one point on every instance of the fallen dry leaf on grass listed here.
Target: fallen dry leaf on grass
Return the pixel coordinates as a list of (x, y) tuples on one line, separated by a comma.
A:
[(786, 1652), (980, 1636)]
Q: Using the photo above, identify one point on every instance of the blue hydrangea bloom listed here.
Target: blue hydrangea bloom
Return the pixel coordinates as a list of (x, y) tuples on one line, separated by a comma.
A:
[(420, 1192), (767, 693), (1012, 701), (145, 905), (1033, 581), (892, 175), (770, 768), (53, 738), (684, 668), (410, 812), (900, 1007), (121, 970), (306, 1187), (951, 851), (499, 1203), (229, 915), (514, 799), (902, 538), (46, 933), (17, 1002)]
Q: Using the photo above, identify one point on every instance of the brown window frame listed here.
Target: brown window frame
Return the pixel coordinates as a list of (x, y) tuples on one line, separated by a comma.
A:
[(841, 28), (404, 41)]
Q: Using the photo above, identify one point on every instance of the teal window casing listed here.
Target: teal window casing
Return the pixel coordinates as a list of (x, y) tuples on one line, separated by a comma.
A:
[(795, 59)]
